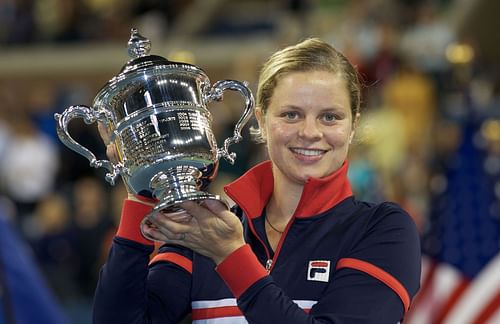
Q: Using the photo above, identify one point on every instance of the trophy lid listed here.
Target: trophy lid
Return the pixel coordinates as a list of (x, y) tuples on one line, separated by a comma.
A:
[(147, 80)]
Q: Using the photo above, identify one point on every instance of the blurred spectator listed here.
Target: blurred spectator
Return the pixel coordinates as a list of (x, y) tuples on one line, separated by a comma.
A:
[(91, 225), (29, 164), (54, 245), (17, 22), (412, 94), (425, 42), (385, 146)]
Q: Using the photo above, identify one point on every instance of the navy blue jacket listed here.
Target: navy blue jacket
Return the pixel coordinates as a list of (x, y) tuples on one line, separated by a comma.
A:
[(339, 261)]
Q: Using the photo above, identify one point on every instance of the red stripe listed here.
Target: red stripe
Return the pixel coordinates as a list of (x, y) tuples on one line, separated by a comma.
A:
[(175, 258), (450, 302), (380, 274), (240, 270), (132, 214), (491, 308), (215, 312), (319, 264)]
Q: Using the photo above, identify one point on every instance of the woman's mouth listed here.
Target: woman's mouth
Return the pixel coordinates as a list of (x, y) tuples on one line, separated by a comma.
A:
[(308, 152)]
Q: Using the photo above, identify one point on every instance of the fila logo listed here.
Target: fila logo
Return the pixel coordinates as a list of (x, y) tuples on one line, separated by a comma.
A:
[(318, 270)]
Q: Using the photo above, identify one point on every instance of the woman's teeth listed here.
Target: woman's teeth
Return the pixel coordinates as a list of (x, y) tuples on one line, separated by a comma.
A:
[(308, 152)]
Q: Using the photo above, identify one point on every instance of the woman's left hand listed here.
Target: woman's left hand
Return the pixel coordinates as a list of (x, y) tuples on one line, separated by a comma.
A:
[(212, 230)]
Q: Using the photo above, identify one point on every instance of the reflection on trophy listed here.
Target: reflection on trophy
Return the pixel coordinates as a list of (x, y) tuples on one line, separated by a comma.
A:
[(156, 112)]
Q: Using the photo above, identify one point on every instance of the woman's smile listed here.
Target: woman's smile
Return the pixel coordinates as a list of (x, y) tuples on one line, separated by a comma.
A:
[(307, 154)]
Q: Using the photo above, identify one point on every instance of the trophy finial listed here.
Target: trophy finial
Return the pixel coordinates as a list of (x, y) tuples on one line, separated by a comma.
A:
[(138, 45)]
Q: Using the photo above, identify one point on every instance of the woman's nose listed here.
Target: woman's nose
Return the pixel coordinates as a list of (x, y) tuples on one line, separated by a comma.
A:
[(310, 129)]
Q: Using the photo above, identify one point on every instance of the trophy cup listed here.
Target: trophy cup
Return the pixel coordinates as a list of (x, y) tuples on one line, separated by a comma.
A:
[(156, 112)]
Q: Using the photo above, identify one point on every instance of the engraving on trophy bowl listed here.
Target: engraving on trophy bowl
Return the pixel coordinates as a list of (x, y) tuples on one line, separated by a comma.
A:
[(166, 139), (157, 114)]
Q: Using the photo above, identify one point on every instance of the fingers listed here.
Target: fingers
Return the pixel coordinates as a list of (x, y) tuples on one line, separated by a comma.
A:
[(151, 232), (103, 132), (180, 216), (111, 153), (166, 228), (207, 207)]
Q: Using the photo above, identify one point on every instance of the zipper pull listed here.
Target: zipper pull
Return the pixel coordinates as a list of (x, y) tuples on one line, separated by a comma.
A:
[(269, 264)]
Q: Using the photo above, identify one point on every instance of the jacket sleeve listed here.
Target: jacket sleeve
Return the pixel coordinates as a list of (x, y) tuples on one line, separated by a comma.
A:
[(131, 289), (373, 283)]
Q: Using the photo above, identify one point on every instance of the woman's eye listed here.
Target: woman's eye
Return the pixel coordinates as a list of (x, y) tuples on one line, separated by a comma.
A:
[(290, 115), (329, 117)]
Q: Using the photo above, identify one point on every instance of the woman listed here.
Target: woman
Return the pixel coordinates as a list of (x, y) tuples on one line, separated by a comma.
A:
[(298, 247)]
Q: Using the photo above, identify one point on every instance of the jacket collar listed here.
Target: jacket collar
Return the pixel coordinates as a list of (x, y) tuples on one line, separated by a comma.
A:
[(253, 190)]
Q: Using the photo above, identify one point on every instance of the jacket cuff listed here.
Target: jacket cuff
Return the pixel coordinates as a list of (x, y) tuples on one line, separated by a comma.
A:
[(240, 270), (133, 213)]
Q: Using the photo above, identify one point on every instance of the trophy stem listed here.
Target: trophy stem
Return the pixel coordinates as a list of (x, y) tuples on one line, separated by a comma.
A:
[(174, 186), (174, 183)]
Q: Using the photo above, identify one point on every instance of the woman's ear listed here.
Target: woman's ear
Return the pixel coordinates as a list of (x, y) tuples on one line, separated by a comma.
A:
[(259, 115), (354, 126)]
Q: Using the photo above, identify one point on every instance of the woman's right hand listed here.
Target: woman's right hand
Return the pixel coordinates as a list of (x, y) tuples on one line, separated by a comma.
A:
[(111, 151)]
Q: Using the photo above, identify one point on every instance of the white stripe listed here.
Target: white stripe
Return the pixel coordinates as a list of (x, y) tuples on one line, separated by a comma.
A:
[(446, 280), (480, 292), (223, 320), (305, 304), (202, 304), (213, 303)]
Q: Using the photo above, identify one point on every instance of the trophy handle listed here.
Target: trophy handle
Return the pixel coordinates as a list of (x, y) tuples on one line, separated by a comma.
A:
[(216, 94), (89, 116)]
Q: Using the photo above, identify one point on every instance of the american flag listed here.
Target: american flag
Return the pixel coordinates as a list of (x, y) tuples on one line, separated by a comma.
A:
[(461, 263)]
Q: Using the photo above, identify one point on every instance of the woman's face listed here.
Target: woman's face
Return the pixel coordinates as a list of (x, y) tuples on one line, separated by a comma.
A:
[(308, 125)]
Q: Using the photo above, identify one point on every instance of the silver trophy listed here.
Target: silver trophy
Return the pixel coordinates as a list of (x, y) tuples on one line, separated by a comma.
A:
[(156, 112)]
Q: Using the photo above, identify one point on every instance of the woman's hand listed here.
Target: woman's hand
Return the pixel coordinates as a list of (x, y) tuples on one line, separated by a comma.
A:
[(207, 228), (111, 152)]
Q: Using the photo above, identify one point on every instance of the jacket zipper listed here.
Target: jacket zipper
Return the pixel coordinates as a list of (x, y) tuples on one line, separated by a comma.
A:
[(270, 261), (269, 264)]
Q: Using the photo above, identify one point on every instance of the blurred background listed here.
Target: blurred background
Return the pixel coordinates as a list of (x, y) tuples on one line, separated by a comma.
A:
[(429, 137)]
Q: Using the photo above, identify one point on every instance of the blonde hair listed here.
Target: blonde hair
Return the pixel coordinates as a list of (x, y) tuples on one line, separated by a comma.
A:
[(311, 54)]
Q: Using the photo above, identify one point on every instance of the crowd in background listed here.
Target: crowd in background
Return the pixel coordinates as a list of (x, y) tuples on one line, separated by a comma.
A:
[(416, 103)]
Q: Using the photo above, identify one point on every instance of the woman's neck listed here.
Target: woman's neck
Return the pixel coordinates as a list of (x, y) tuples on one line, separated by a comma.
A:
[(284, 199), (280, 209)]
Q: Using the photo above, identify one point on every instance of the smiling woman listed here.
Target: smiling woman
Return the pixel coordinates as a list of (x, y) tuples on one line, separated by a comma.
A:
[(297, 247)]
